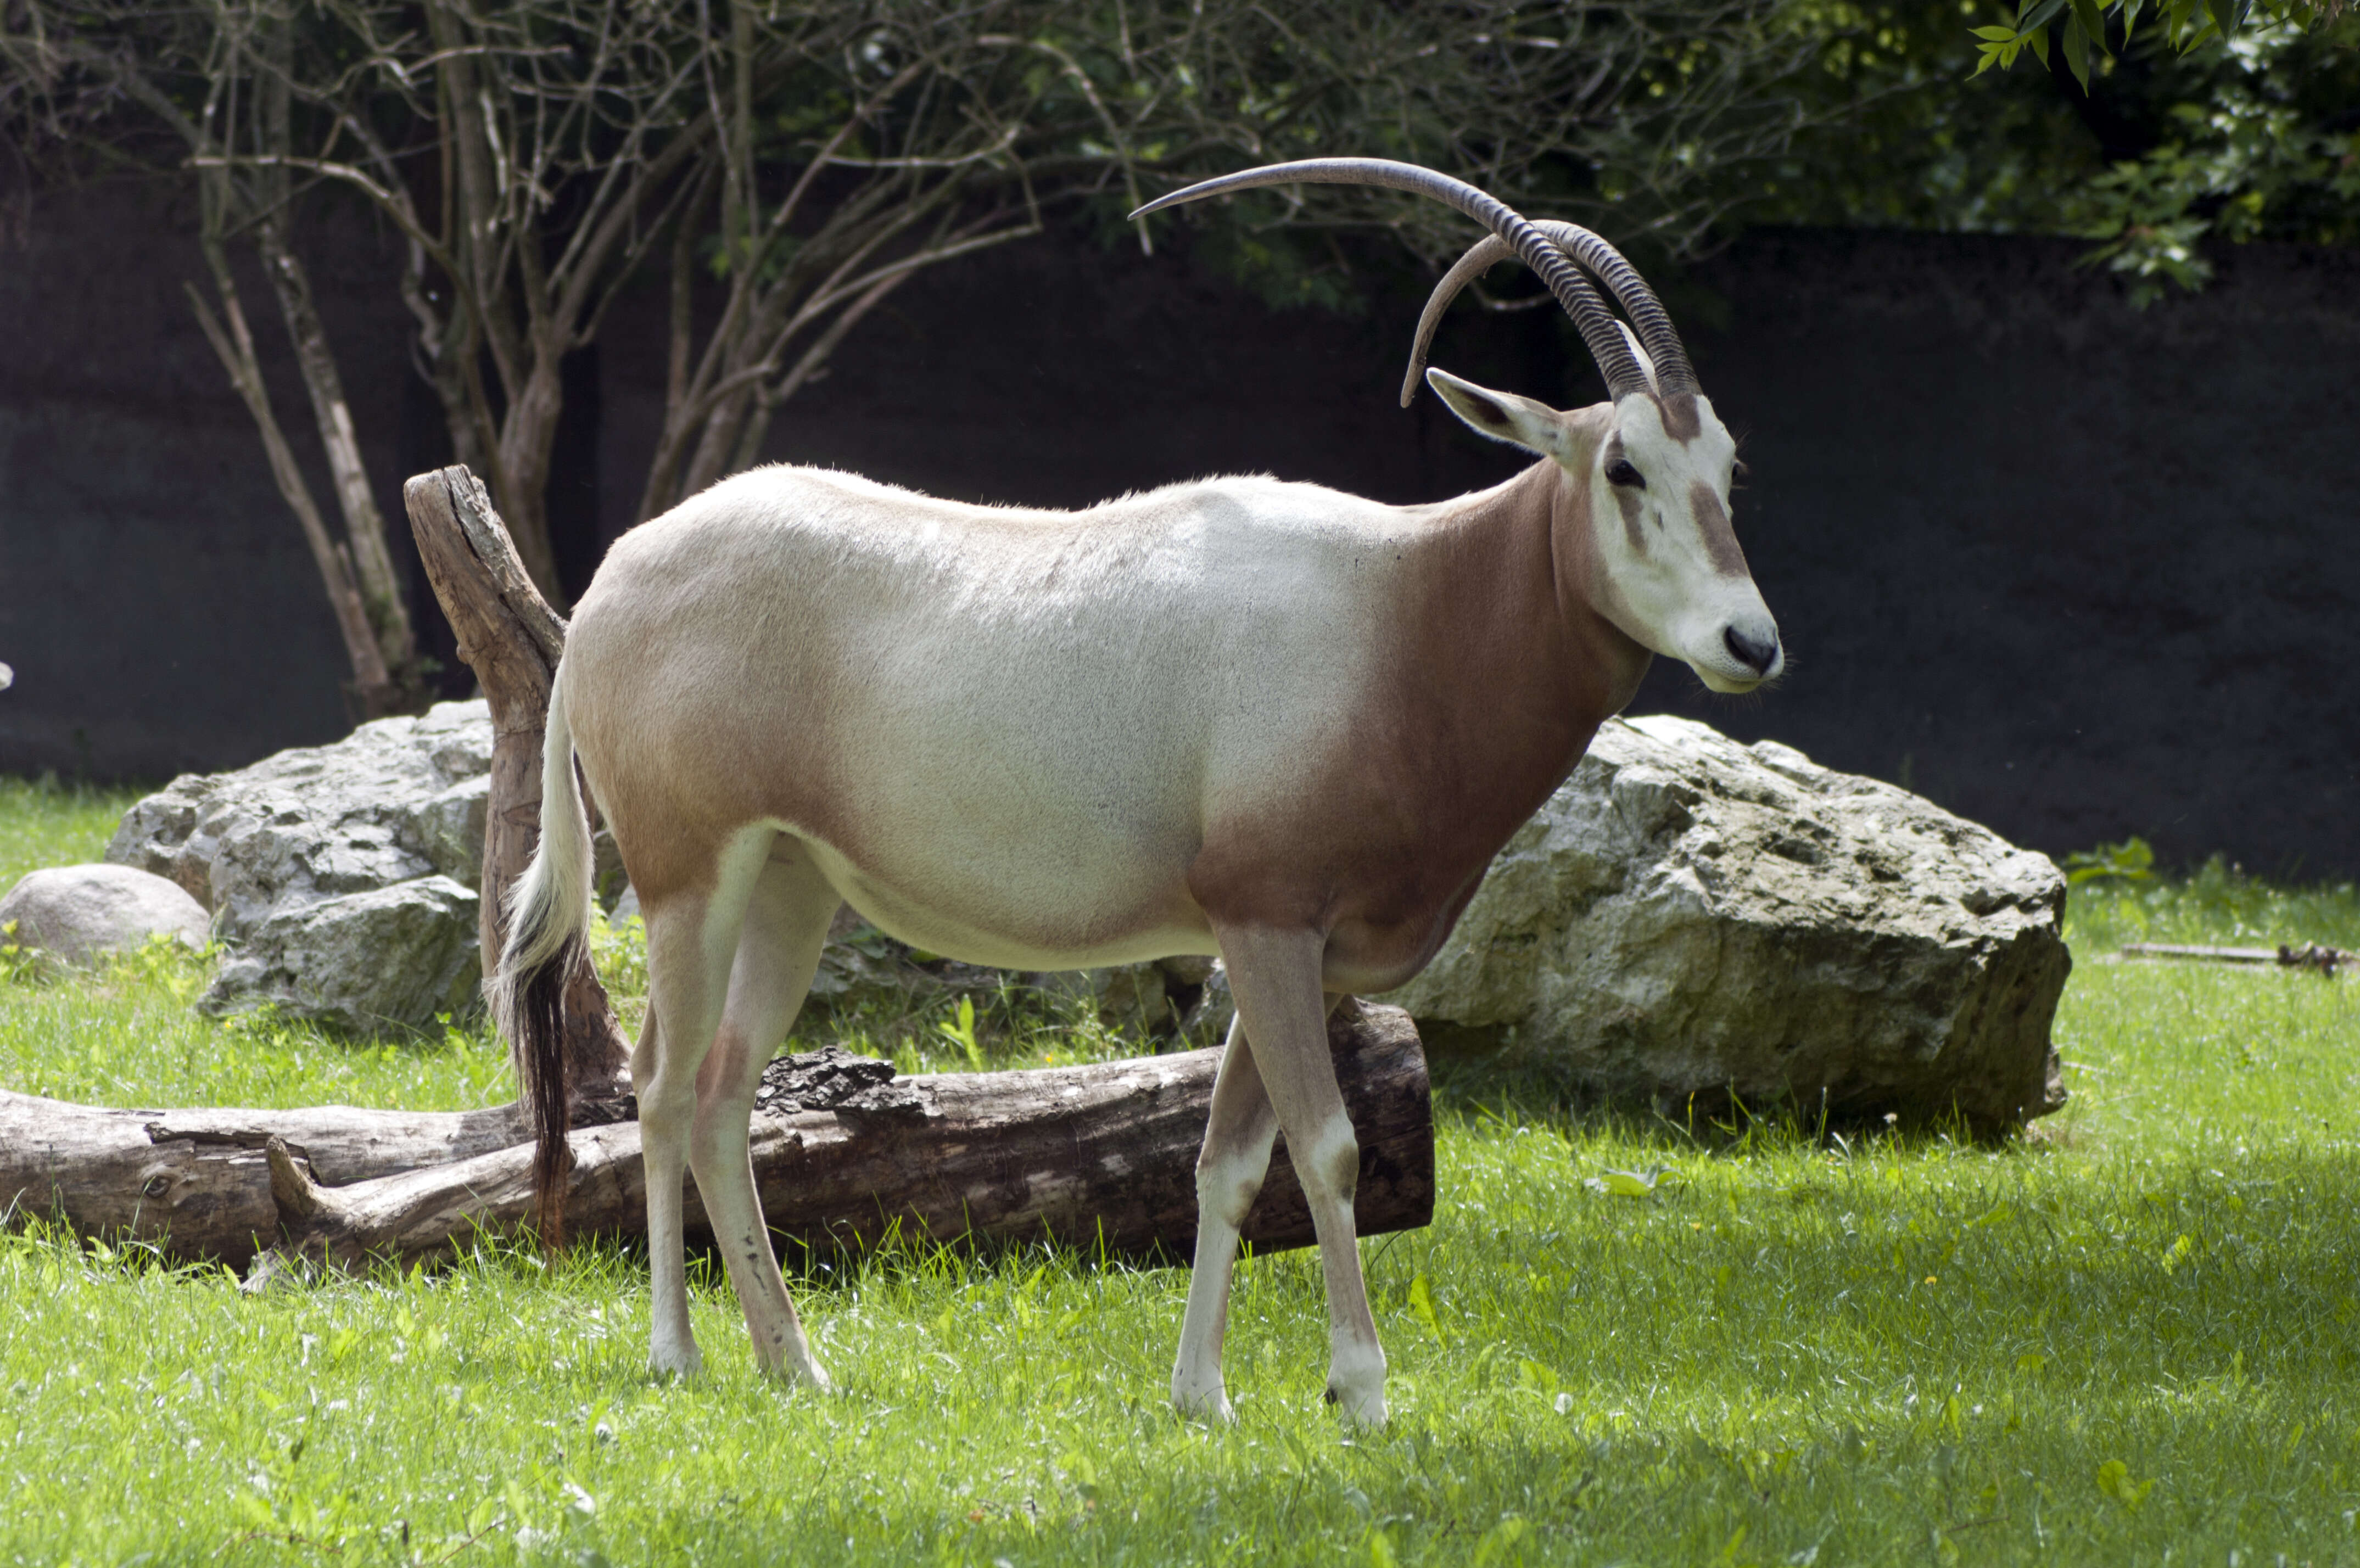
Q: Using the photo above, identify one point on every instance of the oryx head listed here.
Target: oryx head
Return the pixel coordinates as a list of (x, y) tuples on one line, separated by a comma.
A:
[(1655, 463)]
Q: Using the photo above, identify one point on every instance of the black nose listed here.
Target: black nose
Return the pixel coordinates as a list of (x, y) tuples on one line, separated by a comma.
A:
[(1757, 654)]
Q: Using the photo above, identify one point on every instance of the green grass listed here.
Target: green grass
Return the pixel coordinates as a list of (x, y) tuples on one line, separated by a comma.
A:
[(2130, 1337), (44, 822)]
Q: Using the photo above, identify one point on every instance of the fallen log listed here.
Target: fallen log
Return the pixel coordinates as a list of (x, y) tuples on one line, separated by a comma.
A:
[(846, 1156)]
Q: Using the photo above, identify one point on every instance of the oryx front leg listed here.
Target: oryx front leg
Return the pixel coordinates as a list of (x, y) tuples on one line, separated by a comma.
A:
[(693, 933), (785, 927), (1238, 1136), (1275, 975)]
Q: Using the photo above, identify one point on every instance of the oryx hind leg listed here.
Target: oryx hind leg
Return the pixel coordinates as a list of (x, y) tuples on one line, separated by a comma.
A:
[(1238, 1133), (692, 935), (1276, 977), (778, 951)]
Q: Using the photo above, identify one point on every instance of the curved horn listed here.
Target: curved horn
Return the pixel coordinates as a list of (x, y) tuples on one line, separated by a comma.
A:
[(1572, 289), (1674, 375)]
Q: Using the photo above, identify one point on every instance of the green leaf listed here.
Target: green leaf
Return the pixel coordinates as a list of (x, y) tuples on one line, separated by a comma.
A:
[(2133, 860), (2077, 53), (2224, 14), (2039, 42), (1998, 35), (2114, 1481), (1499, 1541), (2094, 23), (1421, 1306)]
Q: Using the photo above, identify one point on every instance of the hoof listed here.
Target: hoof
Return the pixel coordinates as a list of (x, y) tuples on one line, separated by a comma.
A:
[(1205, 1404), (666, 1366), (1362, 1402)]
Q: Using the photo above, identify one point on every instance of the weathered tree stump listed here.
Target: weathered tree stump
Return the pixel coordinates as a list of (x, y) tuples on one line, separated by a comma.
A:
[(511, 638), (1099, 1156)]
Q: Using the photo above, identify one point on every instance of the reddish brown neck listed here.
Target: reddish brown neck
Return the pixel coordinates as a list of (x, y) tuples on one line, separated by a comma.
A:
[(1509, 635)]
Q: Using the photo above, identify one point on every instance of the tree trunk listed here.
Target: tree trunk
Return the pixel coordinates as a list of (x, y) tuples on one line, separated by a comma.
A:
[(527, 439), (373, 688), (511, 638), (1102, 1158), (372, 564)]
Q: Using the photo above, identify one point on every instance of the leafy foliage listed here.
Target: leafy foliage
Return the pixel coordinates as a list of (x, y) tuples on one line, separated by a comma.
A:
[(2179, 141), (2131, 860)]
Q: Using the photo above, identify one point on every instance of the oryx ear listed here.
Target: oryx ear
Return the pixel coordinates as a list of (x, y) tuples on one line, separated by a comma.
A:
[(1504, 416)]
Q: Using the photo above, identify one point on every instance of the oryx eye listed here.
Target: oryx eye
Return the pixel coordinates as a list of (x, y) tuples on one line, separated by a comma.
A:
[(1620, 472)]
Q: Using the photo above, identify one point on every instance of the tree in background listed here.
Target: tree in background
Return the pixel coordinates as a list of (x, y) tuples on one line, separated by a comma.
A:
[(2251, 124), (2168, 136), (803, 159), (211, 89), (527, 156), (851, 155)]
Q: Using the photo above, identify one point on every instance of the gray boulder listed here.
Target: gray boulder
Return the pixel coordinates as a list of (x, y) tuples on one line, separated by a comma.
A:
[(1688, 918), (81, 913), (292, 855), (394, 955)]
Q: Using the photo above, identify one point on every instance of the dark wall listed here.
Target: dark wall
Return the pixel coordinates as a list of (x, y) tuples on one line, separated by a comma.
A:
[(2070, 568), (157, 599)]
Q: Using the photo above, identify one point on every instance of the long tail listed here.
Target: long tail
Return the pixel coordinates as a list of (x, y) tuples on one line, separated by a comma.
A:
[(548, 920)]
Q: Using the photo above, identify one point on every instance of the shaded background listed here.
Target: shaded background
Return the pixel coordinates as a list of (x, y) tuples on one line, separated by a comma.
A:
[(2070, 568)]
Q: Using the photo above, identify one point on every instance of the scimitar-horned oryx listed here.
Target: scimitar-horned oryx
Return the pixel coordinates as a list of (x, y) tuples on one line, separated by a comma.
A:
[(1239, 717)]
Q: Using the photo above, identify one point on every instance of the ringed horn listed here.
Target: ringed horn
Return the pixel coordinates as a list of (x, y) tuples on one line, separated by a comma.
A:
[(1537, 244)]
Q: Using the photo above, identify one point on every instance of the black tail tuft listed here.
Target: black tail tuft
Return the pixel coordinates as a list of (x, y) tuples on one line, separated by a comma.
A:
[(539, 1022)]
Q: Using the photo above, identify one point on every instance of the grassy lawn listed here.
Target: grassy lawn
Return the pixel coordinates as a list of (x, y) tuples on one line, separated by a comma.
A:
[(2130, 1337)]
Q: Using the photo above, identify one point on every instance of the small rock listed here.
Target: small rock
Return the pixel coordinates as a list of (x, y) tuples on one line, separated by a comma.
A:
[(81, 912)]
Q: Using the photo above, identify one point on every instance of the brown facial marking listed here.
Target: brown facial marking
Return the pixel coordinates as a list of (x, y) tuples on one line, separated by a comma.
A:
[(1681, 420), (1628, 500), (1712, 526)]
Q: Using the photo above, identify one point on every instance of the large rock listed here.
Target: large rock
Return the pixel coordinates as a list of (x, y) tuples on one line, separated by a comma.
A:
[(81, 913), (341, 876), (1688, 918), (394, 955)]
